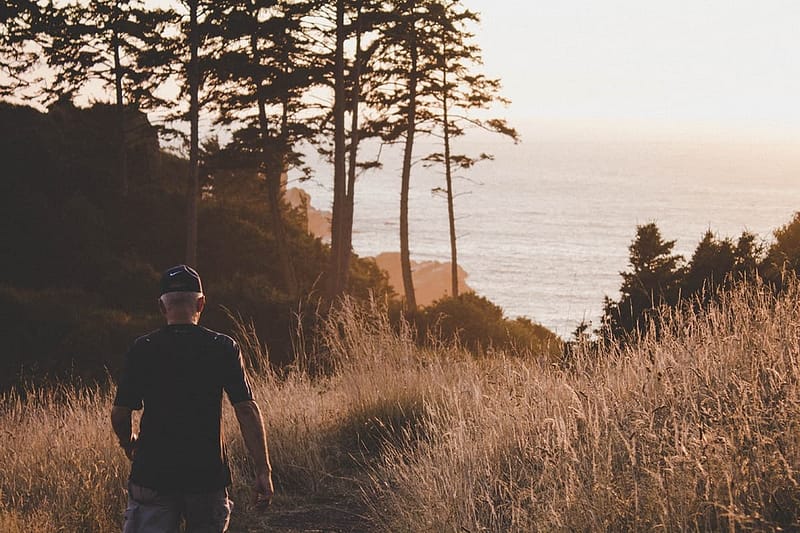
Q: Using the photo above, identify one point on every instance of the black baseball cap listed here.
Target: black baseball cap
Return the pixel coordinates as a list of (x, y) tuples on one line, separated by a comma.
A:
[(180, 278)]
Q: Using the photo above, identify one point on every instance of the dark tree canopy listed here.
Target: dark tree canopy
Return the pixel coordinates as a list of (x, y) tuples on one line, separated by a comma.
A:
[(205, 109), (658, 278), (84, 275)]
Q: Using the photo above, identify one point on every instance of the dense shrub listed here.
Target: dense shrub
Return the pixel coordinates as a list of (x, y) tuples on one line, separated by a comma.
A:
[(479, 325), (59, 334)]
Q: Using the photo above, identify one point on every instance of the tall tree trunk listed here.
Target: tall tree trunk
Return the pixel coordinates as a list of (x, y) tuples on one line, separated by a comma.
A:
[(335, 276), (347, 224), (273, 159), (122, 152), (274, 170), (405, 254), (193, 194), (448, 174)]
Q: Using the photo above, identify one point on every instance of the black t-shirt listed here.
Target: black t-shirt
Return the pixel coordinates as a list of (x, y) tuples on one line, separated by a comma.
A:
[(177, 374)]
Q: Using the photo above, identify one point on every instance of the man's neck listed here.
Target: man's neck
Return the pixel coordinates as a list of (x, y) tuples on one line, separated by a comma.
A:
[(182, 322)]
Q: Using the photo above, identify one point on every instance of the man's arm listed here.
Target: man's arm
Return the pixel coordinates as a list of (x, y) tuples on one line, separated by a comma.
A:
[(255, 439), (121, 422)]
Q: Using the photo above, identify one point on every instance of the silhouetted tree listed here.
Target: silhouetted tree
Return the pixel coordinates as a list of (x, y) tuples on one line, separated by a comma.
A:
[(101, 41), (362, 25), (749, 254), (368, 19), (411, 14), (408, 51), (258, 82), (458, 91), (336, 277), (716, 264), (193, 81), (712, 262), (654, 279), (784, 254), (23, 32)]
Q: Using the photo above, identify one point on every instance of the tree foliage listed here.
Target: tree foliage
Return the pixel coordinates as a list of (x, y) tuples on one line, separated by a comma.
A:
[(24, 30), (658, 278), (247, 85), (79, 247), (784, 254), (652, 280), (458, 90)]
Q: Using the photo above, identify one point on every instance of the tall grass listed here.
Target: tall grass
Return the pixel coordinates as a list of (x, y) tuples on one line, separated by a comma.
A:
[(695, 430), (59, 467)]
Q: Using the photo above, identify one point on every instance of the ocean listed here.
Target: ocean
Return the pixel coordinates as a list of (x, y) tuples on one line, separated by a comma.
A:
[(544, 228)]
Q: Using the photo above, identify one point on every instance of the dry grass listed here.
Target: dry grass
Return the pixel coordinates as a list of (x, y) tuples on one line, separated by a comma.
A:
[(697, 430), (59, 467)]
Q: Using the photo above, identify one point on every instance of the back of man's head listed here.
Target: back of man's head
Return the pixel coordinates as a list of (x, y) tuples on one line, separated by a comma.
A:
[(182, 298), (180, 278)]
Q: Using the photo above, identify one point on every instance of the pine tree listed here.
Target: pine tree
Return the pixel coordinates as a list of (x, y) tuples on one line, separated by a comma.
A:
[(258, 82), (100, 42), (783, 255), (458, 91), (408, 50), (356, 80), (712, 262), (654, 279), (336, 277)]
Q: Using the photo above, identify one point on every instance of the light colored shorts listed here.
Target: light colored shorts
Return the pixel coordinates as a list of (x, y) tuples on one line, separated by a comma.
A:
[(151, 512)]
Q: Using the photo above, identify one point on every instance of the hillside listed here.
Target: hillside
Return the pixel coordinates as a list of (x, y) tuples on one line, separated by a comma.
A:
[(695, 431), (79, 283), (79, 279)]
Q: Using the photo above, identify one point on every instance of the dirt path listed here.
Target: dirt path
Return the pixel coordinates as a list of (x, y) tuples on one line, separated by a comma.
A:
[(294, 516)]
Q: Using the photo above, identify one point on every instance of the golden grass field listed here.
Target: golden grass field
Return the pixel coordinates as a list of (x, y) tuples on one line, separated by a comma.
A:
[(695, 431)]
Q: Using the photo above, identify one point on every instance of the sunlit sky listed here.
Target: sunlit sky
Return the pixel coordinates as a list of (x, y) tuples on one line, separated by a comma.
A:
[(685, 68), (710, 65)]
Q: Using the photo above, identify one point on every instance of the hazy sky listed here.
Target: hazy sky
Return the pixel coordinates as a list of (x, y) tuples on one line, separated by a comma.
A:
[(708, 68), (713, 64)]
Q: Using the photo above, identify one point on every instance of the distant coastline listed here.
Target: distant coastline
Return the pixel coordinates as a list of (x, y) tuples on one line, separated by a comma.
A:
[(431, 278)]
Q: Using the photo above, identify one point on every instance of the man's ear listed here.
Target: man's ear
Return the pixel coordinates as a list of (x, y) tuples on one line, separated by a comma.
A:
[(162, 307), (201, 303)]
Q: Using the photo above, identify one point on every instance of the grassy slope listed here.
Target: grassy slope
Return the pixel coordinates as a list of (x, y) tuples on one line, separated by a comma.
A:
[(698, 431)]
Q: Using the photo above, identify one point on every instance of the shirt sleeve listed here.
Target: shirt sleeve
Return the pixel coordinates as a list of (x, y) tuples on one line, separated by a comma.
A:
[(129, 390), (236, 384)]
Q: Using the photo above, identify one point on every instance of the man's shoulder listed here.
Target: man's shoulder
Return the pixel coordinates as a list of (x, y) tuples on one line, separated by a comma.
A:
[(214, 340), (219, 339), (147, 338)]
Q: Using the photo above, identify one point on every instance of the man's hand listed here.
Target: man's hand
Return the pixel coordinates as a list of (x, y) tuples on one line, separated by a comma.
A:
[(264, 489), (252, 426), (121, 422), (130, 447)]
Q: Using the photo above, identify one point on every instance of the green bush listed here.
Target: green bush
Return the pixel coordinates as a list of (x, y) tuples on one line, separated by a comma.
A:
[(479, 325)]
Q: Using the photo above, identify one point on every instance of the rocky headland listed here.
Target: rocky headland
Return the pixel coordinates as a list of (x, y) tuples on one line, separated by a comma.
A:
[(431, 278)]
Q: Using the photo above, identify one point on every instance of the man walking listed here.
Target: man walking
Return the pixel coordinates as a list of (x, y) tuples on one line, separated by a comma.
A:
[(177, 374)]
